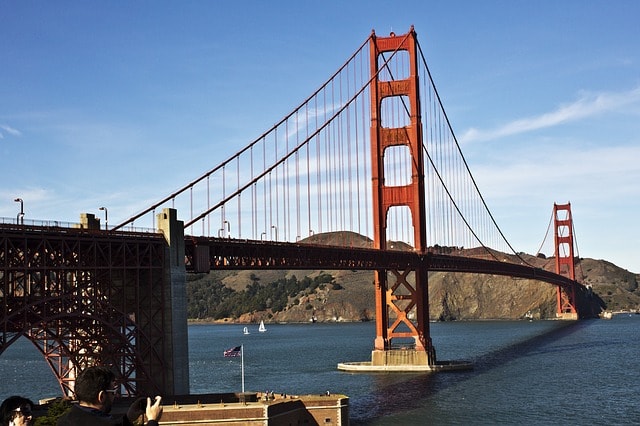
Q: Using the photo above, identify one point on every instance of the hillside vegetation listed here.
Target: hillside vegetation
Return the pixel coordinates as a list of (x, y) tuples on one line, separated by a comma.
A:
[(302, 296)]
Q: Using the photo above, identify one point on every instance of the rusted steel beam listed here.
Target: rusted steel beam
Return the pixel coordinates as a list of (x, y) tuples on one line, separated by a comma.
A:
[(252, 254), (84, 296)]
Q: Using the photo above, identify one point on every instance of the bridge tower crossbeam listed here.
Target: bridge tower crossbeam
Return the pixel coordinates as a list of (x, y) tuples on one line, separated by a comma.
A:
[(402, 307)]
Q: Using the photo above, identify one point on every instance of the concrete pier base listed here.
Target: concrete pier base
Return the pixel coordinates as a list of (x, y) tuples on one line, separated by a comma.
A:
[(368, 367), (399, 357), (402, 360), (569, 316)]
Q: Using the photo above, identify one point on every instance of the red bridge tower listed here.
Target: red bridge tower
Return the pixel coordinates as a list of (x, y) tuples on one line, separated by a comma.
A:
[(402, 304), (565, 259)]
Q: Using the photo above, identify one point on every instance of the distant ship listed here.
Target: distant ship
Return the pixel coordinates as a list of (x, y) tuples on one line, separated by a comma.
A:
[(262, 328)]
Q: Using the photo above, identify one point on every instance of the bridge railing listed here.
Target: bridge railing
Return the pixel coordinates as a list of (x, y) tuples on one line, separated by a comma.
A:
[(33, 222), (44, 223)]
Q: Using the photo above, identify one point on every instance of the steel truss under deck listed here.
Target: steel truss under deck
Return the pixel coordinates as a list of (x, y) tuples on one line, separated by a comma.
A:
[(86, 297)]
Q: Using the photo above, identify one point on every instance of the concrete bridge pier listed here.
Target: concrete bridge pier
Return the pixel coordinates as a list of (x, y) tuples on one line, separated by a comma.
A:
[(400, 357), (175, 307), (569, 316)]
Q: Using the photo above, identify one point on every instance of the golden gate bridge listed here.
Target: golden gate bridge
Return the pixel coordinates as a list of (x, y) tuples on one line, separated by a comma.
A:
[(370, 152)]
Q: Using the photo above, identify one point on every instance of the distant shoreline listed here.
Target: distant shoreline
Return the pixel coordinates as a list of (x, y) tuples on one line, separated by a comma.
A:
[(239, 322)]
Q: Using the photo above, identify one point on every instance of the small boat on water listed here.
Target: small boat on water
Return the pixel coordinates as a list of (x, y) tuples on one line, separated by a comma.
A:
[(262, 328), (246, 330)]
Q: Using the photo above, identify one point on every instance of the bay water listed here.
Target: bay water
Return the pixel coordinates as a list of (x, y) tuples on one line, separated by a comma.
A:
[(539, 372)]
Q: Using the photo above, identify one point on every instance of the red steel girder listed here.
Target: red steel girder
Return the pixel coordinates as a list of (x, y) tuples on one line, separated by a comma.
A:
[(85, 297)]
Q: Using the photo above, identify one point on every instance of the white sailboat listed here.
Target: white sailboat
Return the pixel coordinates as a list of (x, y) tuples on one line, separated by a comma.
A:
[(262, 328), (246, 330)]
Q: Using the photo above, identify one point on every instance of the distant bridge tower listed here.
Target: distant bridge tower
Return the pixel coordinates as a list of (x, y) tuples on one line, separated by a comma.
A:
[(565, 259), (402, 304)]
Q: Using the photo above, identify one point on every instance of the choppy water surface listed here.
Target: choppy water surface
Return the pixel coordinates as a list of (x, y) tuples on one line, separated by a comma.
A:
[(541, 372)]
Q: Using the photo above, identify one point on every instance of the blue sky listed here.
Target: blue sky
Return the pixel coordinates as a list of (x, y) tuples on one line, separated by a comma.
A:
[(119, 103)]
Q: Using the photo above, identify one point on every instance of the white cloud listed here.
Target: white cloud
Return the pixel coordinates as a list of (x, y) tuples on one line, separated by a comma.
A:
[(588, 105), (10, 130), (613, 170), (34, 198)]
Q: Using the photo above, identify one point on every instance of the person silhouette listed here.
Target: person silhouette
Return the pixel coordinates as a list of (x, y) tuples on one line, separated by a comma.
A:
[(95, 390), (16, 411)]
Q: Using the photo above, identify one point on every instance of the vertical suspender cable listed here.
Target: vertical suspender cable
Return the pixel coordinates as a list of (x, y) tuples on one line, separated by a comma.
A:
[(320, 189), (350, 192), (341, 157), (276, 198), (224, 195), (283, 230), (331, 189), (366, 191), (264, 185), (208, 233), (253, 203), (307, 148), (297, 161), (318, 177), (239, 205), (191, 201), (356, 149)]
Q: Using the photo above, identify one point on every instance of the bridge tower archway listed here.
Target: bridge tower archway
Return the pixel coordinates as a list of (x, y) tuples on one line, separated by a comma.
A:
[(402, 307)]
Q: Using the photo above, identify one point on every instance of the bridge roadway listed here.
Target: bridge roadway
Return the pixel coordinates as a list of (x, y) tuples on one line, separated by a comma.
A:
[(205, 253)]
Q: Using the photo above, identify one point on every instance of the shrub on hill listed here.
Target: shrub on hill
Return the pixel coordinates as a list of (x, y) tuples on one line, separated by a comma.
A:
[(210, 299)]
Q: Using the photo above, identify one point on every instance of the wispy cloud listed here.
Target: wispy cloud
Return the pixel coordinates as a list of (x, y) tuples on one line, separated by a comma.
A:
[(588, 105), (33, 196), (605, 174), (9, 130)]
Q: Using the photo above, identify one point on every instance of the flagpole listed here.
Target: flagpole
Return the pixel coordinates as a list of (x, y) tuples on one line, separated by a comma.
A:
[(242, 361)]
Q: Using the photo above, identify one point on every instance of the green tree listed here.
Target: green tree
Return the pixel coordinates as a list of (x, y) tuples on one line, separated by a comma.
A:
[(56, 409)]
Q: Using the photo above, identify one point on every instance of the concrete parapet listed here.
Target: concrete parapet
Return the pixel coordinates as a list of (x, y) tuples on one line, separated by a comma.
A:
[(254, 409)]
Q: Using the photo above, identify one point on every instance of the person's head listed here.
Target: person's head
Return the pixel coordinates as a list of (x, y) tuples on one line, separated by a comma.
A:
[(16, 411), (96, 386)]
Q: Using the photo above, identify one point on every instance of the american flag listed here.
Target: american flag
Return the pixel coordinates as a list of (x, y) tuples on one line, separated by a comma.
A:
[(237, 351)]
